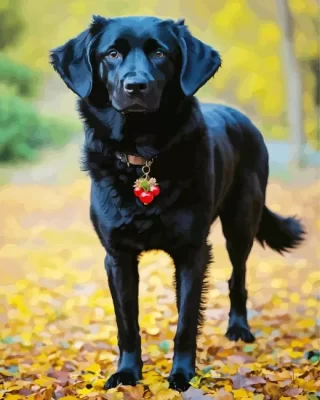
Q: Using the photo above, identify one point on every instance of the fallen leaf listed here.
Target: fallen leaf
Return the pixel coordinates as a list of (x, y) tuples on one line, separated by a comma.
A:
[(196, 394), (132, 392), (68, 398), (272, 390), (293, 392), (223, 395), (94, 369), (156, 387), (58, 330), (44, 381), (167, 394)]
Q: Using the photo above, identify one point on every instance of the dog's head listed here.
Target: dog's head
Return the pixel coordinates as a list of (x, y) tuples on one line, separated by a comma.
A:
[(135, 59)]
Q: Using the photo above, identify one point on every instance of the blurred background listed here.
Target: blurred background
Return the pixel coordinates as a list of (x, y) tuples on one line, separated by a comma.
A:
[(54, 297), (270, 54)]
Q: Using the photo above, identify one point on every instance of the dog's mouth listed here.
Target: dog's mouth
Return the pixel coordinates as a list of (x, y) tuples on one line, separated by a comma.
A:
[(137, 109), (136, 105)]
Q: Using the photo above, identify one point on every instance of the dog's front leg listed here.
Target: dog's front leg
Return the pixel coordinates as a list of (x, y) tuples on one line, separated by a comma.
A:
[(123, 277), (191, 266)]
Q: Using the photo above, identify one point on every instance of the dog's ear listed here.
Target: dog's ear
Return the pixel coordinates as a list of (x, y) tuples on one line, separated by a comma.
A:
[(72, 62), (199, 61)]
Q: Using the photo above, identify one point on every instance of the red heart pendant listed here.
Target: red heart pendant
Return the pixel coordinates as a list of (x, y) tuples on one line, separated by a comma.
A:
[(146, 188)]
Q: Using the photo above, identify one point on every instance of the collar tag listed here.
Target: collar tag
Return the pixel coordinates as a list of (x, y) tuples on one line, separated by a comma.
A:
[(131, 159)]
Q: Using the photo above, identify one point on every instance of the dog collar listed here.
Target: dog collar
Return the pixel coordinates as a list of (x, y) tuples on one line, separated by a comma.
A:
[(145, 188), (132, 159)]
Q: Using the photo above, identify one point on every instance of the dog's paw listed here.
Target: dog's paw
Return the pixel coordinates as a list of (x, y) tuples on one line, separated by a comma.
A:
[(179, 381), (236, 332), (125, 377)]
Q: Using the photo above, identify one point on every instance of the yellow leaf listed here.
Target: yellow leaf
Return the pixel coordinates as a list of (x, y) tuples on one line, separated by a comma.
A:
[(135, 392), (297, 343), (168, 394), (239, 393), (163, 364), (26, 338), (154, 351), (151, 377), (95, 368), (68, 398), (295, 354), (205, 389), (99, 383), (272, 390), (223, 395), (114, 395), (309, 386), (214, 374), (153, 331), (6, 373), (306, 323), (228, 388), (36, 396), (10, 386), (85, 391), (156, 387), (44, 381), (89, 378), (195, 381)]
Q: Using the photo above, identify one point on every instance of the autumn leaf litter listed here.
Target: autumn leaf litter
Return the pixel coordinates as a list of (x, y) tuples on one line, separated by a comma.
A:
[(58, 336)]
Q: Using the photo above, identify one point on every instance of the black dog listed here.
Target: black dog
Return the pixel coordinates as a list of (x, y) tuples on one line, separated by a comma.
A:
[(136, 77)]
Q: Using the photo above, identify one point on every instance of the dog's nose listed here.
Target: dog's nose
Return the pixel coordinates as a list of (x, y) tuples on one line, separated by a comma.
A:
[(136, 88)]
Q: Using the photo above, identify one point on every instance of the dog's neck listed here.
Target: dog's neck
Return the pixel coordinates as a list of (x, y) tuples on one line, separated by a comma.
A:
[(145, 134)]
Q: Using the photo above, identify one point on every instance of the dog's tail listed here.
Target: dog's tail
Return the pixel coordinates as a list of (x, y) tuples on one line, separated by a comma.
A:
[(279, 233)]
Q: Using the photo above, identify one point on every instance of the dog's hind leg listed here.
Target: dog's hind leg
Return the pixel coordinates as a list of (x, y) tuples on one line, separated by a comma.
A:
[(240, 218)]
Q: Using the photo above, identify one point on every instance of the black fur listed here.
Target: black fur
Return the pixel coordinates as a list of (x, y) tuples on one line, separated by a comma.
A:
[(210, 161), (280, 234)]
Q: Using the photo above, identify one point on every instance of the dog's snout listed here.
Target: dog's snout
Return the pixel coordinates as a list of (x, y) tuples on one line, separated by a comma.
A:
[(136, 87)]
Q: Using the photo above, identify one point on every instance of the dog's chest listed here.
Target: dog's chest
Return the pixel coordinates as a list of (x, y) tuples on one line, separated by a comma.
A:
[(178, 227)]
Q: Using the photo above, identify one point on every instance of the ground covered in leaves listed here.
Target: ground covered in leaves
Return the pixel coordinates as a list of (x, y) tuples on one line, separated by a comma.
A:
[(58, 335)]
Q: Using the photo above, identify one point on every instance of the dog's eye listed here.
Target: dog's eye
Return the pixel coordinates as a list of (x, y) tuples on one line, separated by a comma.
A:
[(113, 53), (159, 53)]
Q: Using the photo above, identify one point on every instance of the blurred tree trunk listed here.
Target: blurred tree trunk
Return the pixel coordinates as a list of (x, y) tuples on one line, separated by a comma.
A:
[(294, 84), (11, 22)]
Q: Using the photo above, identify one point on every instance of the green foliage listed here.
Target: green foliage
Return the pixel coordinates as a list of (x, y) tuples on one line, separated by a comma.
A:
[(24, 132), (11, 22), (23, 80)]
